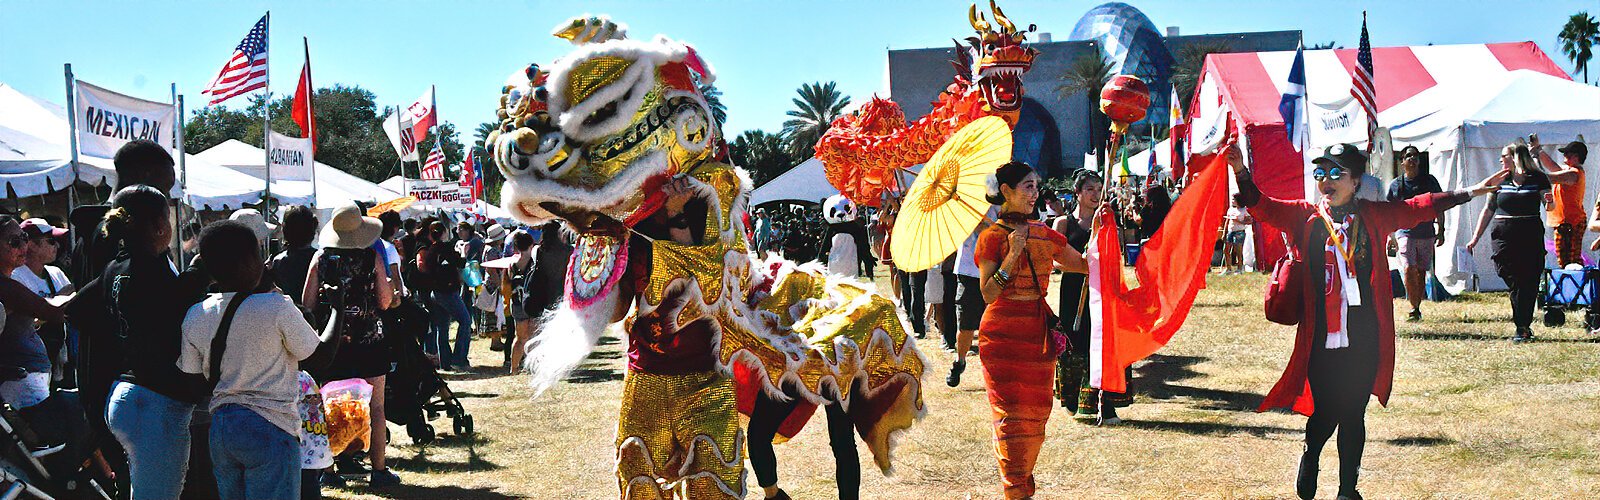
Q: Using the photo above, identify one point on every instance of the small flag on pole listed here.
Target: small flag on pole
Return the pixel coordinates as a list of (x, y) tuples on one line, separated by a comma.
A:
[(1361, 84), (246, 71), (1293, 104), (433, 169), (303, 111)]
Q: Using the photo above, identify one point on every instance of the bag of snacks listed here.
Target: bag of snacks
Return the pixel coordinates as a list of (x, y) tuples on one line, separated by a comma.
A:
[(348, 405)]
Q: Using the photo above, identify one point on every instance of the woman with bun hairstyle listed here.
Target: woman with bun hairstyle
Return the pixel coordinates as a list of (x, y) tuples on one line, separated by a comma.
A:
[(152, 400), (1015, 257)]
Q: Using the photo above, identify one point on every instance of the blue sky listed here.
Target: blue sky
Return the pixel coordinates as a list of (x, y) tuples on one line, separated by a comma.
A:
[(761, 51)]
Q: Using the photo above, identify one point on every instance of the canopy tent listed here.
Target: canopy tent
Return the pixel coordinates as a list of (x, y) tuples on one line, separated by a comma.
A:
[(804, 183), (1465, 148), (335, 188), (1139, 164), (1417, 88), (35, 158)]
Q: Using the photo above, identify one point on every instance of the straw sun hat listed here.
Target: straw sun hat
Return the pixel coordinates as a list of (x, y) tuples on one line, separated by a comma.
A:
[(349, 229)]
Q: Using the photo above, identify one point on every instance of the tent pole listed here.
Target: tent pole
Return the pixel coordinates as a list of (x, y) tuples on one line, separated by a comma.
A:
[(72, 138), (266, 129), (183, 181)]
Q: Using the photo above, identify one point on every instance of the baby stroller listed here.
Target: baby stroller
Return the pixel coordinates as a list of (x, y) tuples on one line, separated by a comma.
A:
[(1564, 289), (45, 451), (415, 394)]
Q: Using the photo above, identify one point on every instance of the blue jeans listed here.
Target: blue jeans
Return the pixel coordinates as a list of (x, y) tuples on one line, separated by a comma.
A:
[(154, 429), (251, 457), (447, 306)]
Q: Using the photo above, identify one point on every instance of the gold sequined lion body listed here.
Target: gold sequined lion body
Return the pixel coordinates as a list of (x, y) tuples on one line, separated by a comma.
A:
[(600, 139)]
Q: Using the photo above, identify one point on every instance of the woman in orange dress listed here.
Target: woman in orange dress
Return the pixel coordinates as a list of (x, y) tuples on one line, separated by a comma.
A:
[(1015, 343)]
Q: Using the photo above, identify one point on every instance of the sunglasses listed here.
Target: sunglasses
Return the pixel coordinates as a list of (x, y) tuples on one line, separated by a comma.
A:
[(1326, 174), (17, 241)]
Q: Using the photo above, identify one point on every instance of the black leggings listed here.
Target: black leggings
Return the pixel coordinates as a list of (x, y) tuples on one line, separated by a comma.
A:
[(1341, 385), (912, 299), (764, 422), (1519, 260)]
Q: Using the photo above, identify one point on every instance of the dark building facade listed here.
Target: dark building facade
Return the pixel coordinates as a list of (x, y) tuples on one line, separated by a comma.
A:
[(1052, 132)]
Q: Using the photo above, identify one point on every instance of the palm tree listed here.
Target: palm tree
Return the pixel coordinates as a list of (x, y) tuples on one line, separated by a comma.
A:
[(719, 111), (1578, 38), (482, 133), (764, 155), (1191, 63), (1087, 76), (816, 108)]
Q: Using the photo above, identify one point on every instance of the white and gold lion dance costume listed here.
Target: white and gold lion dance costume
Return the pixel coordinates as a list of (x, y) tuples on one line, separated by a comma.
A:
[(595, 139)]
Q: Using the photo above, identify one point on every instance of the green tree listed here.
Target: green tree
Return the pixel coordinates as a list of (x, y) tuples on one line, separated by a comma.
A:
[(481, 134), (764, 155), (1578, 38), (816, 108), (1324, 46), (719, 111), (1086, 77), (1191, 63), (349, 129)]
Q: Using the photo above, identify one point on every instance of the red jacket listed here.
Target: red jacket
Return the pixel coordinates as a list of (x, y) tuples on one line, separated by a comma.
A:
[(1293, 217)]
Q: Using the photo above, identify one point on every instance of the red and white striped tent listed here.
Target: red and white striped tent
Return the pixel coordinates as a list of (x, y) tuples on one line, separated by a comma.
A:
[(1425, 96)]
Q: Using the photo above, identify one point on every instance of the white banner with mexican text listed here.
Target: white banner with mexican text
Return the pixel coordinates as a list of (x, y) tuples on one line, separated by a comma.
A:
[(106, 120)]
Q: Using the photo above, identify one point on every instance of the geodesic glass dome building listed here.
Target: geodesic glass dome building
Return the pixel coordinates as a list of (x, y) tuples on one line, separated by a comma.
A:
[(1135, 46)]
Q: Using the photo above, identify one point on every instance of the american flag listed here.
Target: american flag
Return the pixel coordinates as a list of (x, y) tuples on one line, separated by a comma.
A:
[(1361, 84), (247, 70), (433, 169)]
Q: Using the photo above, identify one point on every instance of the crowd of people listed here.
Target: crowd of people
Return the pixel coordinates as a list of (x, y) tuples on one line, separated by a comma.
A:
[(195, 373)]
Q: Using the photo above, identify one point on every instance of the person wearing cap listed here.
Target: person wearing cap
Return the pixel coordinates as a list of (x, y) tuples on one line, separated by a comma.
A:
[(20, 345), (1415, 244), (1566, 198), (1517, 234), (348, 270), (1344, 346), (44, 243), (257, 223)]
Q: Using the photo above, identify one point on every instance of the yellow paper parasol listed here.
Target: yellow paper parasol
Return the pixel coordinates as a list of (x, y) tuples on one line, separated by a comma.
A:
[(394, 205), (947, 200)]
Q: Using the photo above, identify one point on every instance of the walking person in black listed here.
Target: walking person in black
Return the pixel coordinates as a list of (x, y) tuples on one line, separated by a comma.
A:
[(1517, 234)]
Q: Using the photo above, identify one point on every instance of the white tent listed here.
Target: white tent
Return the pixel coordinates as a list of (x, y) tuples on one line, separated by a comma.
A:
[(35, 158), (1139, 164), (1464, 147), (397, 184), (803, 183), (335, 188)]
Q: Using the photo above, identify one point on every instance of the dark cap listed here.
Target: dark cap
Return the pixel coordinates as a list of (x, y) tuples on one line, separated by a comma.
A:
[(1409, 151), (1575, 148), (1344, 156)]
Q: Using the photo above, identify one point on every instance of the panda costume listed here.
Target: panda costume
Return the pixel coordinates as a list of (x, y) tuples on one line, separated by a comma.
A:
[(846, 241)]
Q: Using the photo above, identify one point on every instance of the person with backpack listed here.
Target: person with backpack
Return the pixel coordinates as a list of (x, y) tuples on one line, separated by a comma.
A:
[(348, 267), (440, 262), (249, 346)]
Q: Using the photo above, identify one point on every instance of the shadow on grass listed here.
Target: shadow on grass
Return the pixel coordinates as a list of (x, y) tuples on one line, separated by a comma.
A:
[(1421, 441), (413, 491), (477, 373), (594, 375), (1154, 379), (1484, 337), (474, 395), (1208, 428)]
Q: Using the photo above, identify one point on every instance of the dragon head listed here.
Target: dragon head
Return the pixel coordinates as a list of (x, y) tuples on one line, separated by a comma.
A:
[(999, 59), (593, 137)]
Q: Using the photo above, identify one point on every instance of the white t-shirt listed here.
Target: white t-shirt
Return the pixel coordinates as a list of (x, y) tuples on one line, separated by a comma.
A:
[(314, 450), (39, 285), (266, 342), (391, 256), (1235, 215), (966, 263)]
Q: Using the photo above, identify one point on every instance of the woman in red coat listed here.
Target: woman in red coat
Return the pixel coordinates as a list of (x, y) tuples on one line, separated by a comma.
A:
[(1344, 347)]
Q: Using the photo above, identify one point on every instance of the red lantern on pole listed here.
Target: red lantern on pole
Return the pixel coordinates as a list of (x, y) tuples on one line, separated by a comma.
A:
[(1125, 99)]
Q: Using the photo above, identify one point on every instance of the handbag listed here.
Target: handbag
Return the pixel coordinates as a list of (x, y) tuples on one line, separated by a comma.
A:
[(1286, 292), (1055, 341)]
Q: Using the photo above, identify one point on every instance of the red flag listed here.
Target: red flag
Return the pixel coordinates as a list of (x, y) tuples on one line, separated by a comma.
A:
[(1133, 322), (423, 115), (303, 112)]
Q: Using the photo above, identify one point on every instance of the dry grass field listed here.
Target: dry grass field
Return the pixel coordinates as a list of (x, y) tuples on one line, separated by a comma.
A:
[(1472, 416)]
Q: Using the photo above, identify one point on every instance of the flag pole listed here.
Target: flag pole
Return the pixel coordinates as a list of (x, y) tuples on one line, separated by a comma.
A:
[(399, 128), (266, 121), (72, 137), (183, 179), (311, 124)]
